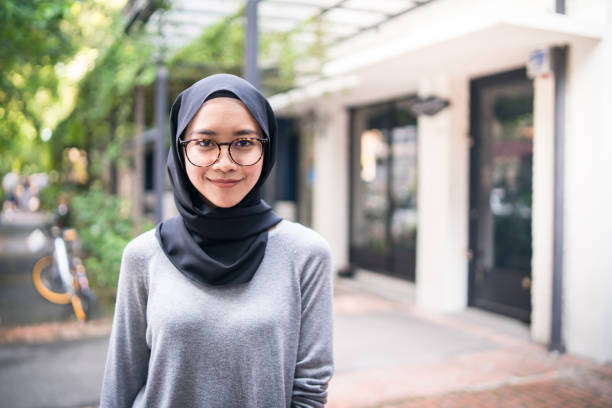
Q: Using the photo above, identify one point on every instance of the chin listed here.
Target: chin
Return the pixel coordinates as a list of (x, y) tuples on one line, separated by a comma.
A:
[(226, 205), (223, 203)]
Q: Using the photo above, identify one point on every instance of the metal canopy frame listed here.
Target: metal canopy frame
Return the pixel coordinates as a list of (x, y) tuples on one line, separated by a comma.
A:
[(184, 20)]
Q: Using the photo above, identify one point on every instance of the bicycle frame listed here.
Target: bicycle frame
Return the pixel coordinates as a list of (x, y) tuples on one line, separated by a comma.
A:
[(60, 257)]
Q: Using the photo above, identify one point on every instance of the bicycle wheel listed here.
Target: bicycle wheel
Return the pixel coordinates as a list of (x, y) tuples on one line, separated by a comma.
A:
[(48, 282), (80, 304)]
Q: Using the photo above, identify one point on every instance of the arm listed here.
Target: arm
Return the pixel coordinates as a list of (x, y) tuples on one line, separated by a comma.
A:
[(314, 365), (128, 354)]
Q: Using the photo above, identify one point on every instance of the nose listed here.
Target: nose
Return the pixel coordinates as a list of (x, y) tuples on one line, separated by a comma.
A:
[(224, 161)]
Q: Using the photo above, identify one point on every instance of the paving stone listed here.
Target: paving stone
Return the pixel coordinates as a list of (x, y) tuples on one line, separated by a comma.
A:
[(502, 368)]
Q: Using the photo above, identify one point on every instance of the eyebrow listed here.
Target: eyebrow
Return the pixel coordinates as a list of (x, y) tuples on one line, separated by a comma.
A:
[(208, 132)]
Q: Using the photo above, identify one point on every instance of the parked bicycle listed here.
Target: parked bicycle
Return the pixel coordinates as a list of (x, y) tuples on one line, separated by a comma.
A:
[(61, 277)]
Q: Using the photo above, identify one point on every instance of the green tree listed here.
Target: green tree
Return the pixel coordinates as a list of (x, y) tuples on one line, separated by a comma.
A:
[(36, 35), (102, 119), (220, 48)]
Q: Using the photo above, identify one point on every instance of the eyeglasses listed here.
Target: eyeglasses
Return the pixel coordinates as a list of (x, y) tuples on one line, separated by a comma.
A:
[(245, 151)]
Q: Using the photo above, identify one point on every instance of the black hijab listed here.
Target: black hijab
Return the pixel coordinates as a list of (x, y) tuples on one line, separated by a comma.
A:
[(211, 245)]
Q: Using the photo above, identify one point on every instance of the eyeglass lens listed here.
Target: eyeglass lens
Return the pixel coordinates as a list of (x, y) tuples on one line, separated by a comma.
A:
[(204, 152)]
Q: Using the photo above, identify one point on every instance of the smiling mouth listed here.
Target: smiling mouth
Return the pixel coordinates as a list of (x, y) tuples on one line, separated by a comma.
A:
[(223, 183)]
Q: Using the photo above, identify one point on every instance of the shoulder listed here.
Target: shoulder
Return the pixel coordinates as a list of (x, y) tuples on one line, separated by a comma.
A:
[(297, 238), (144, 246), (306, 250), (135, 261)]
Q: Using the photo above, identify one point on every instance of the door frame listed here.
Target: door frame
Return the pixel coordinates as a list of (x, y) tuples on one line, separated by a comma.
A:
[(475, 134), (383, 264)]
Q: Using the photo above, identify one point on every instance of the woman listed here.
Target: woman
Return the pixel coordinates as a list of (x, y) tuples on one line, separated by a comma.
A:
[(225, 305)]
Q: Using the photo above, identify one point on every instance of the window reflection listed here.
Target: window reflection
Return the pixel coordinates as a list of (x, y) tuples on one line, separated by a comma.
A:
[(506, 177), (404, 218), (372, 149), (370, 175), (384, 188)]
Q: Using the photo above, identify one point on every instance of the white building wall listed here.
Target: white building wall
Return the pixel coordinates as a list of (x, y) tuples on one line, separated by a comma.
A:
[(588, 202), (542, 208), (460, 187), (605, 150), (441, 275), (591, 11), (436, 22), (330, 188)]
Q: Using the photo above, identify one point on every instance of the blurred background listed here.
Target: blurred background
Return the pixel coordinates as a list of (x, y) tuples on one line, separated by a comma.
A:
[(455, 154)]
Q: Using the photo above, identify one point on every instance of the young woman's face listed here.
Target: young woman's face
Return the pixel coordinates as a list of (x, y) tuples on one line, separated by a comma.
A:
[(223, 120)]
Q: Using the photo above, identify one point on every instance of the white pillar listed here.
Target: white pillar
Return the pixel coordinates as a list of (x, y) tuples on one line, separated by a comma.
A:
[(442, 239), (606, 202), (330, 189), (542, 208), (588, 202)]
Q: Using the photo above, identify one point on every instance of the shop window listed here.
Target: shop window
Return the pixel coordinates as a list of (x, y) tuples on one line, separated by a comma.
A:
[(384, 188)]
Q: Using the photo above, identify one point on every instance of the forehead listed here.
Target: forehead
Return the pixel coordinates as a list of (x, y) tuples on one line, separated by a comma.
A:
[(223, 110)]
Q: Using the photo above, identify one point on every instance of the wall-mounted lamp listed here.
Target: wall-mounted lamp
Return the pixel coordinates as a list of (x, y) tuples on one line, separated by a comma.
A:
[(428, 106)]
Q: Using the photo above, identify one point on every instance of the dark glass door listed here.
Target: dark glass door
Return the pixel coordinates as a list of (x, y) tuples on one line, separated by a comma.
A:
[(500, 194), (383, 189), (403, 205), (370, 247)]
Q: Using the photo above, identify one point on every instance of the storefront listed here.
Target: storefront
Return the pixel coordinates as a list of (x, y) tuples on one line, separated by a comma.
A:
[(465, 202), (383, 189)]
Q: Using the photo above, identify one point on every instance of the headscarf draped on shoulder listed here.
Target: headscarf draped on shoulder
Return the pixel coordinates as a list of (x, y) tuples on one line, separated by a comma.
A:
[(217, 246)]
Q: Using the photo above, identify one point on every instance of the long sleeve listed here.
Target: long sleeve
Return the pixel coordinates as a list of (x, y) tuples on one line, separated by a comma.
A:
[(128, 353), (314, 365)]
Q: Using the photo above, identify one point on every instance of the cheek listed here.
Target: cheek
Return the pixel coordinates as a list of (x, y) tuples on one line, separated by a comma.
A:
[(192, 173), (195, 176), (254, 172)]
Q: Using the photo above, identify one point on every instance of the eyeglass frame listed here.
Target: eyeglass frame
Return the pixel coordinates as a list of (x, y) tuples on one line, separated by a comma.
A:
[(262, 140)]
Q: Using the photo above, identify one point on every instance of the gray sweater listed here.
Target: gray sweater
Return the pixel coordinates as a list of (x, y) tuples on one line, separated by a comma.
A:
[(265, 343)]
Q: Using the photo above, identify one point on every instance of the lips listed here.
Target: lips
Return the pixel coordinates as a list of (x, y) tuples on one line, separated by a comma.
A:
[(225, 183)]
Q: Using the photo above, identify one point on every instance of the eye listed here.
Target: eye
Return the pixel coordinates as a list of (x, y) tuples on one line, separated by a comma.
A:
[(204, 143), (244, 143)]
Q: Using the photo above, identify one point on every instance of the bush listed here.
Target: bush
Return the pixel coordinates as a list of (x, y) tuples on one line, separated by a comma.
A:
[(49, 195), (104, 223)]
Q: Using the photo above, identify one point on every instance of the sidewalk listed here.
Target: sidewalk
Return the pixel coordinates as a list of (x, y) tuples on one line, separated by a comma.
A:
[(20, 303), (392, 354), (388, 353)]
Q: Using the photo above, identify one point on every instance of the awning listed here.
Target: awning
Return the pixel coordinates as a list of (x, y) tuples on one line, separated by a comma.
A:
[(185, 20), (466, 45)]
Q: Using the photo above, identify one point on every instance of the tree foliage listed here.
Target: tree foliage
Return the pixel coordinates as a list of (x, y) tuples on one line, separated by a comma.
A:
[(105, 227), (36, 35), (220, 48), (102, 117)]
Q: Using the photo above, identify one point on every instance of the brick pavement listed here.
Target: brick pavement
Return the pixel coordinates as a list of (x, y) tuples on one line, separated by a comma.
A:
[(509, 372), (580, 389), (55, 331)]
